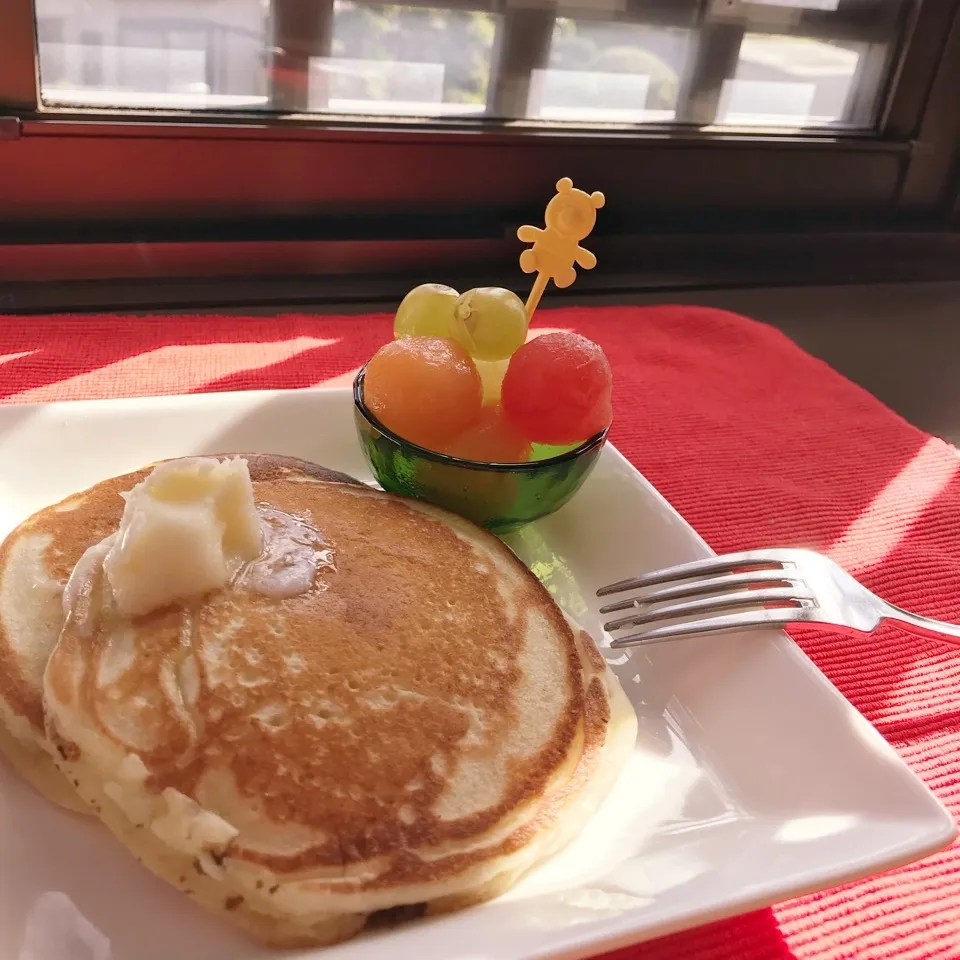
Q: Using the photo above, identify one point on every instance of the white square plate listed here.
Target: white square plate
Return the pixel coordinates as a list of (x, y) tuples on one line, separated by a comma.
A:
[(752, 779)]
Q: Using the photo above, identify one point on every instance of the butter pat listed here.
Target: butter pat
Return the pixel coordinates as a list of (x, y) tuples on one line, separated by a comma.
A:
[(186, 530)]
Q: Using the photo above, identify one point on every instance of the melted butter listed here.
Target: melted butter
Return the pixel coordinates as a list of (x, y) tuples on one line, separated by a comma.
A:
[(80, 595), (292, 554)]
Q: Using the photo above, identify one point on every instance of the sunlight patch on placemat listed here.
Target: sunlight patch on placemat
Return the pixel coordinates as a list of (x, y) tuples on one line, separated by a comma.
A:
[(6, 357), (171, 369), (879, 529)]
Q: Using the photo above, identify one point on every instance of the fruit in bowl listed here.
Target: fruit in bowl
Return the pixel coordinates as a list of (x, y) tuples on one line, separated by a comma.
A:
[(555, 390), (433, 426), (463, 408), (501, 496)]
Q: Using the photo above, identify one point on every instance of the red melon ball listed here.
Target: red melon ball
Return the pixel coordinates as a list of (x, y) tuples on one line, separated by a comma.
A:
[(557, 389)]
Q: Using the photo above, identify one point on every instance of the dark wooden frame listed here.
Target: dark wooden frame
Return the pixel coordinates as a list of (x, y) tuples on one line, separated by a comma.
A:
[(139, 195)]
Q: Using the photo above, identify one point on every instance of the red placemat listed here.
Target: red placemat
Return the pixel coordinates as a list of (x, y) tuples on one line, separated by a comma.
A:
[(757, 444)]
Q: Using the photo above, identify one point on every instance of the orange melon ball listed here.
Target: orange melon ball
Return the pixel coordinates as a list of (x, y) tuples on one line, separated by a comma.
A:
[(425, 389), (491, 439)]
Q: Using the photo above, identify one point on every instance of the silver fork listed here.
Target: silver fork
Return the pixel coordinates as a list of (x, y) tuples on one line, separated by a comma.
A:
[(755, 589)]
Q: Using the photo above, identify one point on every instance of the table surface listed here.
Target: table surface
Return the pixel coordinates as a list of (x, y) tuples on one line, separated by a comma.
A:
[(756, 444)]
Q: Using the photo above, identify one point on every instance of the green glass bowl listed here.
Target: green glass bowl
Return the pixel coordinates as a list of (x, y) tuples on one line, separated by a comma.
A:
[(499, 496)]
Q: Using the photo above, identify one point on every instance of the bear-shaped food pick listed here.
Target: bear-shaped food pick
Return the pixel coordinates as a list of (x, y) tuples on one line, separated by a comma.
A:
[(569, 217)]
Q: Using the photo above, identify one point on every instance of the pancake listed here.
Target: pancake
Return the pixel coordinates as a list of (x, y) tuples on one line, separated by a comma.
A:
[(408, 736), (36, 560)]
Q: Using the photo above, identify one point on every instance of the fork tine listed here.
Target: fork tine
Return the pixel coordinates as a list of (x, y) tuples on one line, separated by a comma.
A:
[(697, 587), (697, 568), (743, 598), (757, 619)]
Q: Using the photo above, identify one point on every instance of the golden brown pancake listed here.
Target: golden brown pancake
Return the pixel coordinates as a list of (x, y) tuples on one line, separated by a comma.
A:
[(415, 731), (36, 560)]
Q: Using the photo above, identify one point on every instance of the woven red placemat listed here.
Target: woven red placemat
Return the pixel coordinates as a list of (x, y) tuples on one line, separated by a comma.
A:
[(757, 444)]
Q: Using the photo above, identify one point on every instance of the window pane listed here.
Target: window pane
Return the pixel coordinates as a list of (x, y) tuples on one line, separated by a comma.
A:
[(610, 71), (793, 81), (144, 53), (404, 61), (773, 63)]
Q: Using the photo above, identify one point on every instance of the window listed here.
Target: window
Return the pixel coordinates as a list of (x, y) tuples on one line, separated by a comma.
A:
[(776, 64), (338, 138)]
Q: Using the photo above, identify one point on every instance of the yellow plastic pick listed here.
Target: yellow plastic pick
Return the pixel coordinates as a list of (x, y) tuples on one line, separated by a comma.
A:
[(569, 217)]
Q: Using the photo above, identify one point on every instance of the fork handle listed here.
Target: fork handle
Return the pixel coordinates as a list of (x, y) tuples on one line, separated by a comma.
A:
[(924, 627)]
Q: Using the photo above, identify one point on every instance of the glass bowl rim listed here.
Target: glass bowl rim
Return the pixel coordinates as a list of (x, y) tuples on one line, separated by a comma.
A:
[(528, 466)]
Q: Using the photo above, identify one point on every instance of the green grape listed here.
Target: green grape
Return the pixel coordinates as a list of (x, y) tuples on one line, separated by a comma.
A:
[(426, 311), (490, 323)]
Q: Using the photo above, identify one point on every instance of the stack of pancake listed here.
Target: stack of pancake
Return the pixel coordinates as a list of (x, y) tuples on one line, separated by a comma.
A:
[(409, 735)]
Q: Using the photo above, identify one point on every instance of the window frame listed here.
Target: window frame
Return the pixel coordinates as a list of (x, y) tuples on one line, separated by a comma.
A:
[(411, 196)]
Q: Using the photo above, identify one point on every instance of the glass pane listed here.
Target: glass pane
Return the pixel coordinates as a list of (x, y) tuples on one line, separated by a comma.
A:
[(148, 54), (793, 82), (610, 71), (404, 61), (774, 63)]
